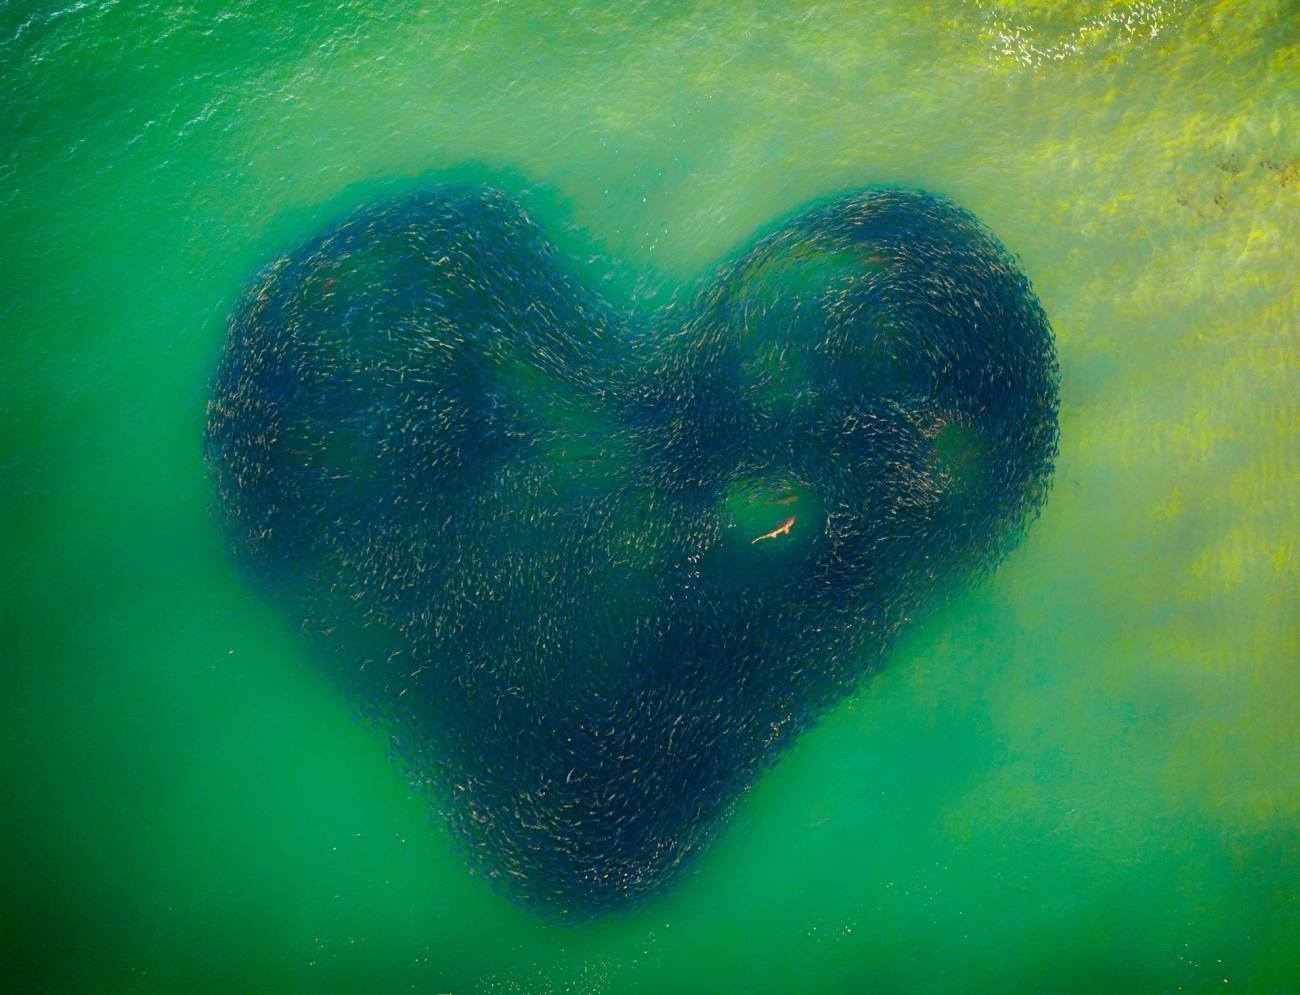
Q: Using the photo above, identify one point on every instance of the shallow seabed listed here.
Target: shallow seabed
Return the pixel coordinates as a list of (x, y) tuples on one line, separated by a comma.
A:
[(1080, 776)]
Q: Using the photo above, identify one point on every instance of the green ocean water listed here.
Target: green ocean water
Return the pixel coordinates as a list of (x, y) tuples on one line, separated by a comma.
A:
[(1080, 776)]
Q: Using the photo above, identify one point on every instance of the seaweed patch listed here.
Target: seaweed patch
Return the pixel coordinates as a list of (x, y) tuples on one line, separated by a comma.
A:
[(522, 522)]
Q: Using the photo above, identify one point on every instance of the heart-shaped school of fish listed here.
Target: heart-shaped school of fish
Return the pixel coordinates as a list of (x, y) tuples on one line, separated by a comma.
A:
[(594, 571)]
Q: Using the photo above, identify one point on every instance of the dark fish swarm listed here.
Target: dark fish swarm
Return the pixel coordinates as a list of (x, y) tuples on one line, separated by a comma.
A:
[(509, 510)]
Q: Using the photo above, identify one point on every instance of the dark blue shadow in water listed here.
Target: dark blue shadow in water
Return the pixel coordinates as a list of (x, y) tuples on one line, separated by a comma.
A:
[(529, 526)]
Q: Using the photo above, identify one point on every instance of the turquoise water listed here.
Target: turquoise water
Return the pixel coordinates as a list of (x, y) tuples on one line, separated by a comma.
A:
[(1078, 776)]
